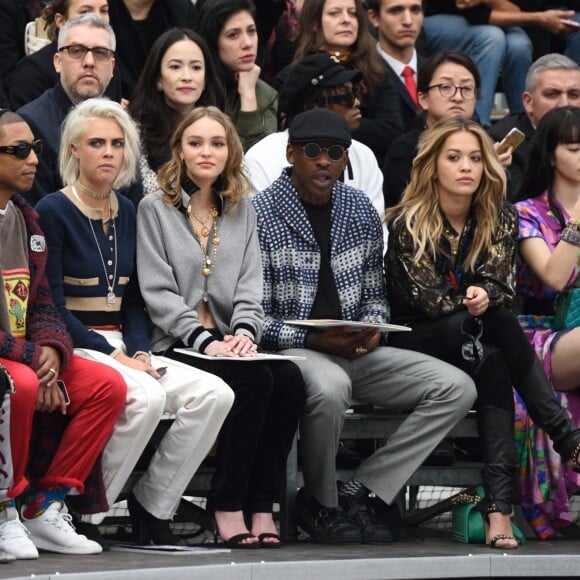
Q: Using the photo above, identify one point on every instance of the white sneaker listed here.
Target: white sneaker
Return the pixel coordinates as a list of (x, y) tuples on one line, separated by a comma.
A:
[(14, 539), (54, 532)]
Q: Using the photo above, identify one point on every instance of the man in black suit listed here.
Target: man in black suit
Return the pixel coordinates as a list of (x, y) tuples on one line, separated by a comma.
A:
[(398, 24), (552, 81)]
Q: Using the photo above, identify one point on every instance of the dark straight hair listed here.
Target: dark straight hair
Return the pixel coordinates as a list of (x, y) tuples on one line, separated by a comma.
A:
[(428, 70), (212, 16), (157, 120), (560, 125)]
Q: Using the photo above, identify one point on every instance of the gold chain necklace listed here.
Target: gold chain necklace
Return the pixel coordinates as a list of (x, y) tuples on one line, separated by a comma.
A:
[(92, 193), (204, 229), (208, 260)]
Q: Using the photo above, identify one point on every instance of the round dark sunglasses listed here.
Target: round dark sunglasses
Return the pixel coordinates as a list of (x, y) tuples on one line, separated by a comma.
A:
[(314, 151), (22, 150)]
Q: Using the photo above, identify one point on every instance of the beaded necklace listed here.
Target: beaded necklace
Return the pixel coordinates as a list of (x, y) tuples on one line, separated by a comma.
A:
[(208, 258)]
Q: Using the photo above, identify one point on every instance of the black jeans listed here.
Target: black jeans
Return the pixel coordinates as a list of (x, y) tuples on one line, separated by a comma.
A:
[(257, 435)]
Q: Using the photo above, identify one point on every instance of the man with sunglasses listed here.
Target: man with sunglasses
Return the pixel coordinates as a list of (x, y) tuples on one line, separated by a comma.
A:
[(36, 351), (322, 248), (318, 81), (85, 61)]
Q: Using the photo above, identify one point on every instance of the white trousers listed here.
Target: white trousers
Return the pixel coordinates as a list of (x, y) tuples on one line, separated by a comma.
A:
[(200, 402)]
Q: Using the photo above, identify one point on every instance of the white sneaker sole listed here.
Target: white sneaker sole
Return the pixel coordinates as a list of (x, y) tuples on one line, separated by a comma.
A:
[(88, 547), (18, 553)]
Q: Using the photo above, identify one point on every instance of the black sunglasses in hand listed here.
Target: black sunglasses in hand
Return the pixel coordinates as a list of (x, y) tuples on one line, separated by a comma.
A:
[(22, 150), (472, 350)]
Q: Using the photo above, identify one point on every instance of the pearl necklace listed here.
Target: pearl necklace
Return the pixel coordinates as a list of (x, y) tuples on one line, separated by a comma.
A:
[(111, 296)]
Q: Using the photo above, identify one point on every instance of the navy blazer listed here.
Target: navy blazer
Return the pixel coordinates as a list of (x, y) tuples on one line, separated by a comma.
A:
[(35, 73), (45, 116)]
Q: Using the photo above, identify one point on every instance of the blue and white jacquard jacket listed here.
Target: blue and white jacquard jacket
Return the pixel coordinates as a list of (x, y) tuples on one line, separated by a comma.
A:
[(291, 259)]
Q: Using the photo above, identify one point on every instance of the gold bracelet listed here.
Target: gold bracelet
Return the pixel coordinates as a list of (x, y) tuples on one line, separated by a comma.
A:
[(116, 353), (141, 353)]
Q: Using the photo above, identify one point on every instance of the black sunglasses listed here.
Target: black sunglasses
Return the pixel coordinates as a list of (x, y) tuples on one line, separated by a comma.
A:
[(314, 151), (472, 350), (347, 99), (22, 150)]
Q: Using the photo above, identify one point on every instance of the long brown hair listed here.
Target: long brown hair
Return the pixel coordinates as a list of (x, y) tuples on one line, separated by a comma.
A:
[(363, 53), (419, 207), (234, 184)]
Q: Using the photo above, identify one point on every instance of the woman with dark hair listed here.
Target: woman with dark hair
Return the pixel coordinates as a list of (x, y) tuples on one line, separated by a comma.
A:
[(339, 27), (229, 28), (448, 85), (35, 73), (179, 74), (451, 273), (200, 273), (549, 232)]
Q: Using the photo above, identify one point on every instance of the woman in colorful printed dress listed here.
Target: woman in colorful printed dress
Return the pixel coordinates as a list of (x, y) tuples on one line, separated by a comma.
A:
[(549, 232)]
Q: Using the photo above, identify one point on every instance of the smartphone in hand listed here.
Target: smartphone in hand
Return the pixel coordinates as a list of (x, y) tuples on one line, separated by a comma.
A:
[(60, 384), (570, 22), (513, 139)]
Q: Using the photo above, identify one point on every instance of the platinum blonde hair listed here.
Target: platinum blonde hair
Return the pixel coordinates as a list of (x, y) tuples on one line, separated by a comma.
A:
[(74, 128)]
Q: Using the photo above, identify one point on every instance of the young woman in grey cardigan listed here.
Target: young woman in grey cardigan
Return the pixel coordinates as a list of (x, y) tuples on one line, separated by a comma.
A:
[(200, 274)]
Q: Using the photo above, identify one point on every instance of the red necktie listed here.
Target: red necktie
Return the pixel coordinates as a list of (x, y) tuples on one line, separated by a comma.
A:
[(410, 83)]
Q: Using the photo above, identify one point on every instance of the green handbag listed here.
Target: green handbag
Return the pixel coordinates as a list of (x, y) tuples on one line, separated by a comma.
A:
[(467, 521), (567, 308)]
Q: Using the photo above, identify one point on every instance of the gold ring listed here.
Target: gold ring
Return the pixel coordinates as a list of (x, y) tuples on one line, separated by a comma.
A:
[(51, 370), (361, 350)]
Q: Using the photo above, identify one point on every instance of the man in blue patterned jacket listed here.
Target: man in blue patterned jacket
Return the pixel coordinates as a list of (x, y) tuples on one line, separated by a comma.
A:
[(322, 245)]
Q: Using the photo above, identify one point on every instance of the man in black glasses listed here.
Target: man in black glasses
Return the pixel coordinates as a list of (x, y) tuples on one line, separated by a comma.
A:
[(322, 248), (85, 62), (318, 81)]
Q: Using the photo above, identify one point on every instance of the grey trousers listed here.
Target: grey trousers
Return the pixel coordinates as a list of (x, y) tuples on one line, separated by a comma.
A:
[(436, 394)]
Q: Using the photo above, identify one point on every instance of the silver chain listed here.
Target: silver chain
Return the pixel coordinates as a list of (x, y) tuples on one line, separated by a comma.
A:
[(111, 298)]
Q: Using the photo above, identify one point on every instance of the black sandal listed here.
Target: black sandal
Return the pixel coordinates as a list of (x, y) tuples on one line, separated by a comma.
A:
[(492, 542), (270, 545), (235, 542)]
